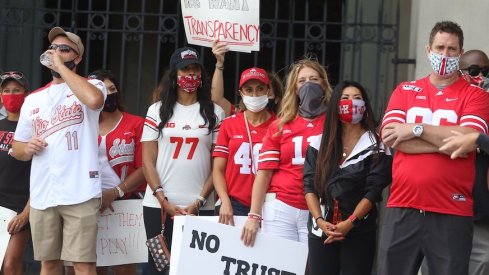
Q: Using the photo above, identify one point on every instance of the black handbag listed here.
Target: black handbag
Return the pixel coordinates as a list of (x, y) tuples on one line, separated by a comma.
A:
[(158, 248)]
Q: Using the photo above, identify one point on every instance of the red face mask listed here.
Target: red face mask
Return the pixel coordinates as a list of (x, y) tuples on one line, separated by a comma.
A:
[(13, 102), (190, 83)]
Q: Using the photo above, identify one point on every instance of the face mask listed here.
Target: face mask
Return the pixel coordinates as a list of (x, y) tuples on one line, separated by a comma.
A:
[(111, 103), (351, 110), (311, 100), (443, 65), (69, 64), (485, 83), (189, 83), (13, 102), (255, 103)]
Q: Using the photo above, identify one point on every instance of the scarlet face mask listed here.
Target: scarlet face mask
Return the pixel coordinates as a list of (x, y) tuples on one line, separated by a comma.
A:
[(13, 102), (351, 110), (189, 83)]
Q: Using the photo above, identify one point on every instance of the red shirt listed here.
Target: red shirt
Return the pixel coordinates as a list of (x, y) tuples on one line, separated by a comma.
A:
[(285, 153), (434, 182), (124, 150), (233, 144)]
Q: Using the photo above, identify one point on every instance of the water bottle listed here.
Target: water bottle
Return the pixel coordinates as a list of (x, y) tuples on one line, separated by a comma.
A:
[(46, 59)]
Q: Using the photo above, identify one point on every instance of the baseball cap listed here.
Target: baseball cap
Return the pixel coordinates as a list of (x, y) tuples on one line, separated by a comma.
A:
[(14, 75), (182, 57), (254, 73), (71, 36)]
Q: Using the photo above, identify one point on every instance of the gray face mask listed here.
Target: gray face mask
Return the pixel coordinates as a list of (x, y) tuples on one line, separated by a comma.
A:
[(311, 97)]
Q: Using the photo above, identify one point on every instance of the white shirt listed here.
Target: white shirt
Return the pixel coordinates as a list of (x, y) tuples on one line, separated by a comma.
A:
[(184, 153), (66, 172)]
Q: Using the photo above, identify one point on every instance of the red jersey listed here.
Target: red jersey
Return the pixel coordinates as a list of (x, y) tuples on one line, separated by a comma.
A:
[(233, 144), (434, 182), (123, 144), (285, 152)]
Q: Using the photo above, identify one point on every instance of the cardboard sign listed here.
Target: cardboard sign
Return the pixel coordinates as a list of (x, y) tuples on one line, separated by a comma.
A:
[(121, 236), (217, 249), (6, 216), (235, 22)]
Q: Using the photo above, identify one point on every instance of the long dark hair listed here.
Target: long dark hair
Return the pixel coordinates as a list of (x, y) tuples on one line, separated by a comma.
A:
[(168, 89), (331, 148)]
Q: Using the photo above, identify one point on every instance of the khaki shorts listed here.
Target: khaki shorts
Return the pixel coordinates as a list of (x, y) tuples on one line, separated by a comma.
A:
[(66, 232)]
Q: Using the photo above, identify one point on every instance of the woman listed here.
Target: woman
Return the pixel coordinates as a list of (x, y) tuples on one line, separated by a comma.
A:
[(14, 174), (240, 137), (120, 154), (344, 175), (281, 158), (178, 136), (219, 50)]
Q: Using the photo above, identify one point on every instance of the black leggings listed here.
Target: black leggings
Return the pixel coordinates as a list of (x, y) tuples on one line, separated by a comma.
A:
[(352, 256)]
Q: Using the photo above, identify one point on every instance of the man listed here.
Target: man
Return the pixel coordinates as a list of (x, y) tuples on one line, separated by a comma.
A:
[(429, 211), (57, 129), (474, 66)]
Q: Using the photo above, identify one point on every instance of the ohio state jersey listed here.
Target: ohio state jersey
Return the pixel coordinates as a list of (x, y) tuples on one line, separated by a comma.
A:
[(184, 153), (285, 153), (434, 182), (233, 145), (66, 172), (123, 148)]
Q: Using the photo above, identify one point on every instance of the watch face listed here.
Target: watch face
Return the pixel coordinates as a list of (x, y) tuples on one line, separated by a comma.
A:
[(418, 130)]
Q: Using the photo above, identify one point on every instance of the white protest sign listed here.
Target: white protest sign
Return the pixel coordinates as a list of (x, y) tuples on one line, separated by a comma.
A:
[(121, 236), (5, 216), (235, 22), (217, 249)]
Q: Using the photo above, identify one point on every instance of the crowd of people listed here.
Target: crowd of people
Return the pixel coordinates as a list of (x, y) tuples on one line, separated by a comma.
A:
[(301, 159)]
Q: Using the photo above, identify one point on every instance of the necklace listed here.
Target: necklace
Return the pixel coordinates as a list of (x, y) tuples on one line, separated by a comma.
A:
[(344, 152)]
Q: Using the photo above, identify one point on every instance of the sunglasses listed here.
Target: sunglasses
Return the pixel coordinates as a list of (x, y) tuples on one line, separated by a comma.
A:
[(475, 70), (14, 75), (62, 47)]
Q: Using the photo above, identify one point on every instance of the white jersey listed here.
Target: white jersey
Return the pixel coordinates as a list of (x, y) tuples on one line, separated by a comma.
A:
[(66, 172), (184, 153)]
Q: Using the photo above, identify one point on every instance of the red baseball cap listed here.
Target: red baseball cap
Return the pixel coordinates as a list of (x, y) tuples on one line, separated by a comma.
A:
[(254, 73)]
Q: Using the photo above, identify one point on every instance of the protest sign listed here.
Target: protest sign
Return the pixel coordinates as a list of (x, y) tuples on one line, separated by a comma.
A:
[(121, 236), (217, 249), (5, 216), (235, 22)]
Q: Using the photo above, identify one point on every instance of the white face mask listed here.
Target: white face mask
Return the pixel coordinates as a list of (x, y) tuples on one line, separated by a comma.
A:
[(443, 65), (255, 103)]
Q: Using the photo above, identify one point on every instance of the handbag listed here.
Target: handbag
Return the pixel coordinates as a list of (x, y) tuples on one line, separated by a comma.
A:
[(158, 248)]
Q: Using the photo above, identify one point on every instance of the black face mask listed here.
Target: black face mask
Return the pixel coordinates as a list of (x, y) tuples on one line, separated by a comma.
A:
[(69, 64), (111, 104)]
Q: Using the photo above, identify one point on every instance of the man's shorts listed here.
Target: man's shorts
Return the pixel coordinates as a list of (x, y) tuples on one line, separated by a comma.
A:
[(66, 232)]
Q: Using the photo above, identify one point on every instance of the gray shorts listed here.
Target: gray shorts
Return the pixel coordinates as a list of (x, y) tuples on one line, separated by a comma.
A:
[(407, 235)]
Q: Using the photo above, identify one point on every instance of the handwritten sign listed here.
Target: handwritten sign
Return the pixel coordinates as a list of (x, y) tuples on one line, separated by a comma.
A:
[(236, 22), (217, 249), (6, 216), (121, 236)]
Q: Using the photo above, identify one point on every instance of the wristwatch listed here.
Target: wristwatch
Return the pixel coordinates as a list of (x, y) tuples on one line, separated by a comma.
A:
[(418, 130), (121, 193)]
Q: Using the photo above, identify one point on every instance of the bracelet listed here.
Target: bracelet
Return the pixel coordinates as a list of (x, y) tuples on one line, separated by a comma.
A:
[(254, 216), (220, 66), (316, 219), (159, 189), (201, 200)]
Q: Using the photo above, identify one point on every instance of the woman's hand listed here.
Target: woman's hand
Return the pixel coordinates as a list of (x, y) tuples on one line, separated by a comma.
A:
[(17, 222), (192, 209), (250, 228), (331, 231), (219, 49), (226, 215), (108, 196)]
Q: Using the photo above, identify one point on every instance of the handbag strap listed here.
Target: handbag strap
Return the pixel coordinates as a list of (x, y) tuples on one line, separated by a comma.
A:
[(163, 220)]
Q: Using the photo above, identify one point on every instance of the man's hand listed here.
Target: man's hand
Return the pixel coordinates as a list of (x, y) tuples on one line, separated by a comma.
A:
[(395, 133), (35, 146)]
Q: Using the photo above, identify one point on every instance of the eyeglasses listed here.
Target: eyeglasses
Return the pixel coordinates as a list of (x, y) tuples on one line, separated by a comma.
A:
[(62, 47), (475, 70), (13, 74)]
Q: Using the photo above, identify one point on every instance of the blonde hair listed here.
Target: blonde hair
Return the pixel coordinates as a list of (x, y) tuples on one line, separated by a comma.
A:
[(290, 101)]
